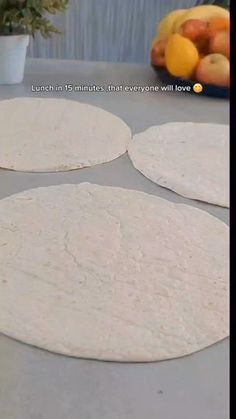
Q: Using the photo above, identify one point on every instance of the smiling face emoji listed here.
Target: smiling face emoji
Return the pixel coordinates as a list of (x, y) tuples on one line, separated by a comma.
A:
[(197, 88)]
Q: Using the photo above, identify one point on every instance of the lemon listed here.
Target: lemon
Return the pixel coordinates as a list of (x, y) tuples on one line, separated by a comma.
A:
[(181, 55)]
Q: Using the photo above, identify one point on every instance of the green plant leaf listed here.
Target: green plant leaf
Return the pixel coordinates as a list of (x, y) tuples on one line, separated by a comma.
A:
[(29, 16)]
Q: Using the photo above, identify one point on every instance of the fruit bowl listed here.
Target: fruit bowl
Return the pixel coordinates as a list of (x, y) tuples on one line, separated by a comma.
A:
[(208, 89), (192, 46)]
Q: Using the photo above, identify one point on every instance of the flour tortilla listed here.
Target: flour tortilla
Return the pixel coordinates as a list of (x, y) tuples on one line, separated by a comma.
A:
[(50, 135), (111, 274), (191, 159)]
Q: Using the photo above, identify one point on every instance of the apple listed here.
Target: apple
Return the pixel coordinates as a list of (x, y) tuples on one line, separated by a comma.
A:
[(220, 43), (158, 53), (193, 29), (214, 69)]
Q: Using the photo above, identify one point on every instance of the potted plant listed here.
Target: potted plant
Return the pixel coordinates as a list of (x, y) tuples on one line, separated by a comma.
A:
[(19, 19)]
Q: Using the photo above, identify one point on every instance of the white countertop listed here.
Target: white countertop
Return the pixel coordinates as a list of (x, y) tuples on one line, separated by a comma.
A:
[(35, 384)]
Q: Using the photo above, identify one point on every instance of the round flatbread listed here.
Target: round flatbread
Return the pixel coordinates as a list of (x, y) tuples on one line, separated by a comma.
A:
[(111, 274), (191, 159), (50, 135)]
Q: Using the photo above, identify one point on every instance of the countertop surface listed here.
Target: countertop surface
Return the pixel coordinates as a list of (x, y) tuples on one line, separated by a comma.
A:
[(35, 384)]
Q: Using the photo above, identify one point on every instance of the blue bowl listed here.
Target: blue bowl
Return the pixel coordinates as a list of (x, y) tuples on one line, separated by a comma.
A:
[(208, 89)]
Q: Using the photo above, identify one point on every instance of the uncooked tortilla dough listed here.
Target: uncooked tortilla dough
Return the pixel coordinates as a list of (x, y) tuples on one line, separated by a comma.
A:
[(191, 159), (111, 274), (50, 135)]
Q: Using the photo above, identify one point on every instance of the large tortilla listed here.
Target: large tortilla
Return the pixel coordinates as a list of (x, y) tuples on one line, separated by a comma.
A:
[(107, 273), (191, 159), (49, 135)]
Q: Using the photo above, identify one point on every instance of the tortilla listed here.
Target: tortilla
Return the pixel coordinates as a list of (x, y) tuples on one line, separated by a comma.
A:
[(191, 159), (111, 274), (50, 135)]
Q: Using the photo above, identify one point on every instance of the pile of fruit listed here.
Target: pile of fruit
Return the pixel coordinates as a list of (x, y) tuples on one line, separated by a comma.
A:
[(195, 44)]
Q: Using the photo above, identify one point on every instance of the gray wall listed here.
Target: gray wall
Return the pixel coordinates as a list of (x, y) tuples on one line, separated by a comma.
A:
[(106, 30)]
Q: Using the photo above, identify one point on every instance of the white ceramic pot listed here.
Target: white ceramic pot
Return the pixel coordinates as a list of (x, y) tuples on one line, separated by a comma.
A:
[(13, 50)]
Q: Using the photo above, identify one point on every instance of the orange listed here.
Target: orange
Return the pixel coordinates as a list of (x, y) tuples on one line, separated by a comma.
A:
[(182, 56), (218, 24)]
